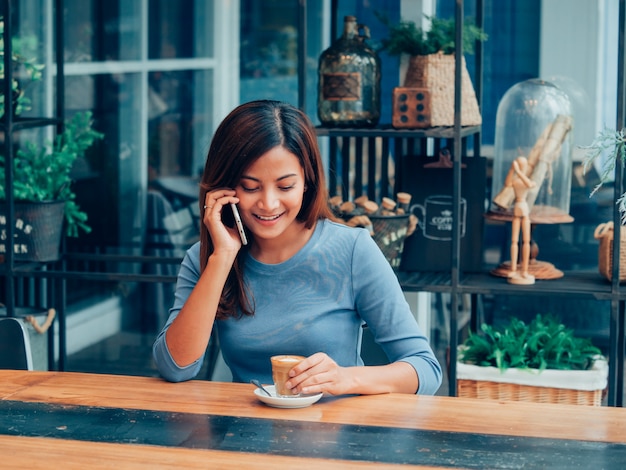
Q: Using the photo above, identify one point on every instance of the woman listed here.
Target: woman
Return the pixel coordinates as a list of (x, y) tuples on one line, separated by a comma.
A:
[(302, 285)]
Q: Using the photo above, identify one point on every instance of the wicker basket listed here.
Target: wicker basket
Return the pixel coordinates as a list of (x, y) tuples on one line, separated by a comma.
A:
[(389, 234), (38, 230), (604, 234), (435, 72), (571, 387)]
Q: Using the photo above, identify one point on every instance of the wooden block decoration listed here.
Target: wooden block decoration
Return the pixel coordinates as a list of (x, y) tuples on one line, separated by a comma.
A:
[(411, 108)]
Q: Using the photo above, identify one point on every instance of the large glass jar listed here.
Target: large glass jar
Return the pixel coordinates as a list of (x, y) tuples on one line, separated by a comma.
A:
[(534, 120), (349, 80)]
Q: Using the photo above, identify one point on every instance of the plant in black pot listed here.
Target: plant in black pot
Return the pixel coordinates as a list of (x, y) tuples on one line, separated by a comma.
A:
[(42, 190)]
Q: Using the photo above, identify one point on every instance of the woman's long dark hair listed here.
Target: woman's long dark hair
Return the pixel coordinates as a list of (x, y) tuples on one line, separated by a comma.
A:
[(248, 132)]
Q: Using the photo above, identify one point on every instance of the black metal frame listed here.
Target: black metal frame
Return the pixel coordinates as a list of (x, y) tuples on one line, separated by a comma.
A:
[(53, 275), (455, 282), (8, 125)]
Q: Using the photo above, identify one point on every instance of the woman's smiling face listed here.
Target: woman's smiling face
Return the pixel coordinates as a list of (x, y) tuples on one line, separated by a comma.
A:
[(270, 194)]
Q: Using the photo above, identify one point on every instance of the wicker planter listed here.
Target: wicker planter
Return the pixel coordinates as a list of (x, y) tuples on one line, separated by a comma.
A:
[(573, 387), (37, 232), (431, 77)]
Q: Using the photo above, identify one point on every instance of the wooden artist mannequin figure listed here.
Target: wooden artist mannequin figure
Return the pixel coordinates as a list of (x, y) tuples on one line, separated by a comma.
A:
[(521, 184)]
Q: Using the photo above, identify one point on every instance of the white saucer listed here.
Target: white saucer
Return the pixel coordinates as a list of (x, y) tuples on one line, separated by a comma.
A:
[(277, 402)]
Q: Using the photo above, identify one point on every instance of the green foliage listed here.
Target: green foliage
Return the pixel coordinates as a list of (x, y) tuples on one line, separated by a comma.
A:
[(43, 174), (613, 142), (26, 68), (543, 344), (408, 38)]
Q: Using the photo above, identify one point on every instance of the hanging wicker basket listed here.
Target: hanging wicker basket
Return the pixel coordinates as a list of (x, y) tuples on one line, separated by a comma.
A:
[(604, 234), (37, 230)]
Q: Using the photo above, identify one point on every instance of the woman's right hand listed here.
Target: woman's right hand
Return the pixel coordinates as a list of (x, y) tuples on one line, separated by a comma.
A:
[(223, 237)]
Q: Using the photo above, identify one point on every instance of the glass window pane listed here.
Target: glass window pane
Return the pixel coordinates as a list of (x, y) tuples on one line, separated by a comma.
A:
[(113, 171), (99, 30), (179, 112), (179, 29), (510, 55), (269, 50)]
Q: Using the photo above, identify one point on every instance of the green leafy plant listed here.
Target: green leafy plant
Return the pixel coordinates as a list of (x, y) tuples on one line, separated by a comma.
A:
[(26, 69), (545, 343), (43, 173), (614, 143), (406, 37)]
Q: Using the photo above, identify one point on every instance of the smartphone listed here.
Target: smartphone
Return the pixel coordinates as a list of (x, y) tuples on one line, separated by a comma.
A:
[(239, 224)]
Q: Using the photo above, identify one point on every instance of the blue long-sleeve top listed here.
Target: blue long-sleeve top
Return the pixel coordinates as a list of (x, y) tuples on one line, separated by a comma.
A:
[(316, 301)]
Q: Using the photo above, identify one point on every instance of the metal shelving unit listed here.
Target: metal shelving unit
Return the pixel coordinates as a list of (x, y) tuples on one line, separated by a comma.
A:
[(54, 275), (9, 124), (399, 141), (454, 281)]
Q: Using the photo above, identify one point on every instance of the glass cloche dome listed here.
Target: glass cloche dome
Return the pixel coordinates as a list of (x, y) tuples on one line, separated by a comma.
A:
[(534, 120)]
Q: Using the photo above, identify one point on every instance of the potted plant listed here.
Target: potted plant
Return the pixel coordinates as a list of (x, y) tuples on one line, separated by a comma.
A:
[(609, 148), (612, 144), (408, 38), (42, 190), (431, 68), (540, 361)]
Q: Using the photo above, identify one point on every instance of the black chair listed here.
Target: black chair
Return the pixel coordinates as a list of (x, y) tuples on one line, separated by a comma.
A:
[(371, 353), (15, 352)]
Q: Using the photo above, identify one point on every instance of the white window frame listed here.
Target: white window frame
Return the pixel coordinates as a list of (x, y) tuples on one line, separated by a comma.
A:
[(224, 24)]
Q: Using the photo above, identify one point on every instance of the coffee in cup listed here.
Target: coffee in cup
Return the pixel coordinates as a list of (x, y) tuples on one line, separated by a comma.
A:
[(281, 365)]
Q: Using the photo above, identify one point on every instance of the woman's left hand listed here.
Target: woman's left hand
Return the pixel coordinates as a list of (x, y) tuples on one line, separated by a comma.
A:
[(319, 373)]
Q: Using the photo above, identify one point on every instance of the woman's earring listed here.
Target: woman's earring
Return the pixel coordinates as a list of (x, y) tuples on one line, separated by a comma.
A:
[(305, 188)]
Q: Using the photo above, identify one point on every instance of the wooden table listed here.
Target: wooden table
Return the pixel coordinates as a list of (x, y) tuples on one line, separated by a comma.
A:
[(71, 420)]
